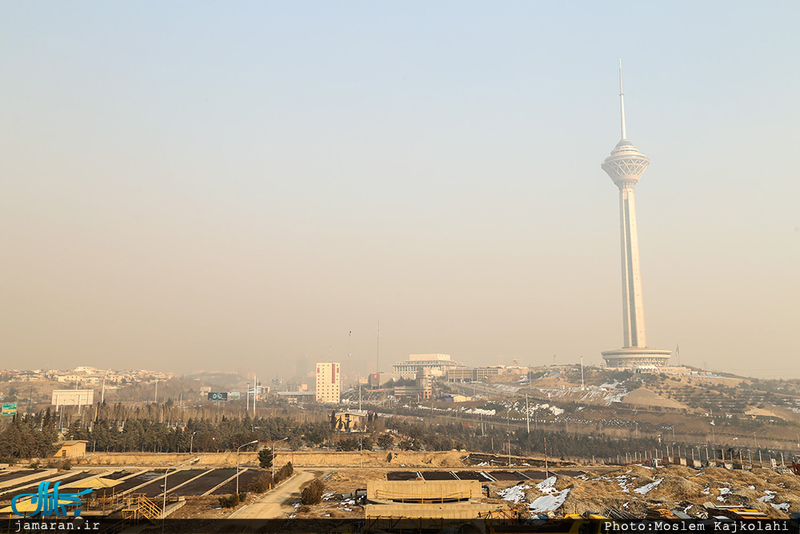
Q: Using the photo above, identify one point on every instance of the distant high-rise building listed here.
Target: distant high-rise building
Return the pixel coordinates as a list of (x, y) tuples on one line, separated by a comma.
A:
[(625, 166), (328, 383)]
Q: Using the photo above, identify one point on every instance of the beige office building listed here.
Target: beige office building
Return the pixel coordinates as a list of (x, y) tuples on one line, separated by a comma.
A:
[(329, 383)]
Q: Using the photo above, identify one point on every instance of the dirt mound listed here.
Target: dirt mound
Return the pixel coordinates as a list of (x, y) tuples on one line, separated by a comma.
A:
[(715, 472), (743, 495), (748, 479), (639, 471), (680, 471), (790, 482), (676, 488)]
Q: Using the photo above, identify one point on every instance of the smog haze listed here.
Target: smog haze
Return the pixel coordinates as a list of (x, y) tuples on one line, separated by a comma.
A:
[(242, 185)]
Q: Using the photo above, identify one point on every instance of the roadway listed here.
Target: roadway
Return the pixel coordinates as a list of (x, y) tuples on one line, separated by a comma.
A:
[(275, 504)]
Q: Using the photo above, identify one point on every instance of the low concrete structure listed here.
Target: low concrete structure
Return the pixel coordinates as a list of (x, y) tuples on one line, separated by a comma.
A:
[(423, 491), (71, 449), (431, 511)]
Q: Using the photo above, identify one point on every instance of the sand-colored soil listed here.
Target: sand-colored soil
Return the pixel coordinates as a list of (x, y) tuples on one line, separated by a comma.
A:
[(299, 459)]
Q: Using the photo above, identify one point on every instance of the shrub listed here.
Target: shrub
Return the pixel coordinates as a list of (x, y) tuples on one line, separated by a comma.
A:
[(234, 499), (230, 501), (66, 465), (261, 483), (284, 472), (348, 444), (385, 441), (312, 494)]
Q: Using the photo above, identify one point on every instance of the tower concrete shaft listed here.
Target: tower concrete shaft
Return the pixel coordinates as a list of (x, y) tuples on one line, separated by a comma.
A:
[(632, 307)]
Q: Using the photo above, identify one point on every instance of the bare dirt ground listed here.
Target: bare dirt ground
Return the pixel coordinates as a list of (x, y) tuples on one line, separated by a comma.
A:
[(309, 459), (635, 488), (278, 502), (630, 488), (272, 504)]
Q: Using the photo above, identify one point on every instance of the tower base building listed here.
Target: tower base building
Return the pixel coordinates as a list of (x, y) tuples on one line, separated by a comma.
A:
[(635, 357)]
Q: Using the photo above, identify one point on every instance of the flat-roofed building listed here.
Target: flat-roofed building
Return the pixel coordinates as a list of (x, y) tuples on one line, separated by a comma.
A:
[(437, 364), (351, 421), (329, 383), (469, 374), (71, 449), (460, 374)]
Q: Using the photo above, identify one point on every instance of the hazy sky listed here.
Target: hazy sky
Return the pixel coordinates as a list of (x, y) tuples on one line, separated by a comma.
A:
[(195, 185)]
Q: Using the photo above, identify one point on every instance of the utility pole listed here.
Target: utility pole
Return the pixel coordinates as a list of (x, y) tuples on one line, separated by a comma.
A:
[(155, 397), (582, 383), (527, 414), (378, 353)]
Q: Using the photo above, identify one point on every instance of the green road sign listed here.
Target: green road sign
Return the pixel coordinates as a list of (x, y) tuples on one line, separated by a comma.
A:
[(9, 408)]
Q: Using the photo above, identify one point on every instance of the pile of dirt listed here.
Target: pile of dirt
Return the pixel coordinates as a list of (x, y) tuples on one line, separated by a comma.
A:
[(635, 488), (676, 488)]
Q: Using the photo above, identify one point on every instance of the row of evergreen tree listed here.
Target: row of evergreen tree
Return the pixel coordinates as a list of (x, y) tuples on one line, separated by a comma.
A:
[(34, 436)]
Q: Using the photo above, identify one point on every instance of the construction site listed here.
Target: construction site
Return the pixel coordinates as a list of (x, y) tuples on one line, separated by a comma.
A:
[(421, 491)]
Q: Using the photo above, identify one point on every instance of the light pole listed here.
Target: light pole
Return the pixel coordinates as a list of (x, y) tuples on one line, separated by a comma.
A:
[(723, 451), (191, 442), (237, 462), (273, 457), (164, 501)]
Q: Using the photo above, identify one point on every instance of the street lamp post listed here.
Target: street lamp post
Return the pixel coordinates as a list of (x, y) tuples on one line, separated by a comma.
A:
[(191, 442), (164, 501), (237, 462)]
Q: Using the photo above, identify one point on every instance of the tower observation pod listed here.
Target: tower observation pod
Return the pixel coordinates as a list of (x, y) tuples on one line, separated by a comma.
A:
[(625, 167)]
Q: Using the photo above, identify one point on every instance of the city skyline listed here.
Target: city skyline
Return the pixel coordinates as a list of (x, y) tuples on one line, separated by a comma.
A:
[(188, 188)]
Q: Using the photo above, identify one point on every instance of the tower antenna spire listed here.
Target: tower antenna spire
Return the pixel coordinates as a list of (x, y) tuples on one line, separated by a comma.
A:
[(622, 100)]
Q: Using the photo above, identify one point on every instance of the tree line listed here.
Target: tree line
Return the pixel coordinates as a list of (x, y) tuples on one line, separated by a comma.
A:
[(34, 436)]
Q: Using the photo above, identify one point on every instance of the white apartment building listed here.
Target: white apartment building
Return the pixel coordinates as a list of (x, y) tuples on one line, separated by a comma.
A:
[(437, 364), (329, 383)]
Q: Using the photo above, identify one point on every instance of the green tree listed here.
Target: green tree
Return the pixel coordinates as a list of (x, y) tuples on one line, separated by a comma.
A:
[(265, 457)]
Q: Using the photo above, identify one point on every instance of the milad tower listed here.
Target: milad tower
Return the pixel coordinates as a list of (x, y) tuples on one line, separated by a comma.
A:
[(625, 166)]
